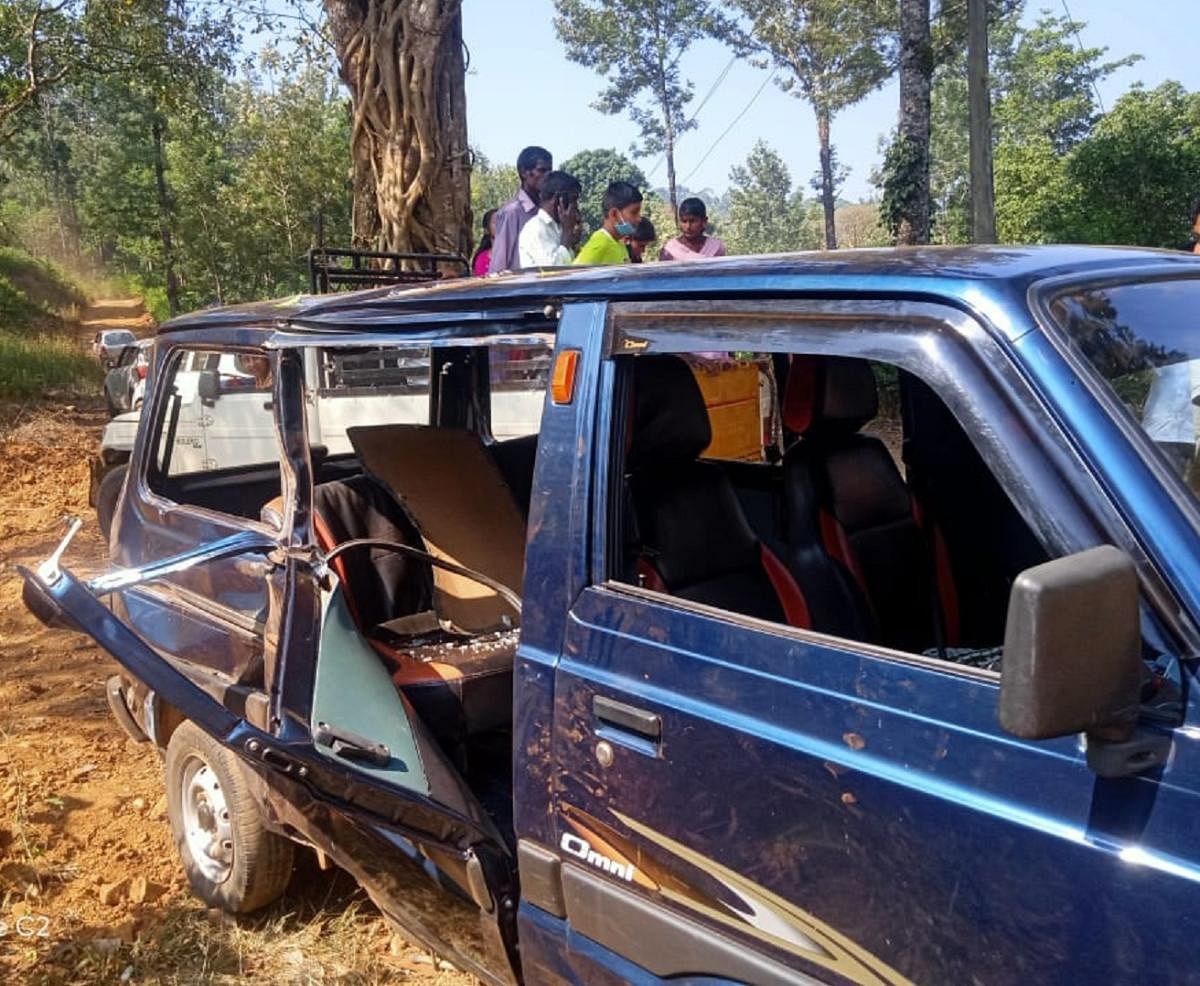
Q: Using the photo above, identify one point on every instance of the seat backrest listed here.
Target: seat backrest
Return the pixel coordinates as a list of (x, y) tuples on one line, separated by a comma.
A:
[(457, 499), (843, 492), (692, 536), (380, 585)]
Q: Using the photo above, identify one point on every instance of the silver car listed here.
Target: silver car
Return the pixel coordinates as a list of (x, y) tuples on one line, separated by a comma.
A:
[(125, 383), (108, 343)]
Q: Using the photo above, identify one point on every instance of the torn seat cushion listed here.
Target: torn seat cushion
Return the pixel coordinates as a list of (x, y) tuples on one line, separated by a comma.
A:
[(459, 689), (459, 502)]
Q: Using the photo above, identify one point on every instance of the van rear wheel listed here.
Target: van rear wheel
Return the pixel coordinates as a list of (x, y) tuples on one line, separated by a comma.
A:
[(231, 859)]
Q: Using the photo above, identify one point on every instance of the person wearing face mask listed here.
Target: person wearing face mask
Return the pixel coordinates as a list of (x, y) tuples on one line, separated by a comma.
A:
[(622, 205), (557, 220)]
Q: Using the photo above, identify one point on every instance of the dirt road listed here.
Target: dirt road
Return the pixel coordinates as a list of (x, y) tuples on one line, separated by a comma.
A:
[(90, 887)]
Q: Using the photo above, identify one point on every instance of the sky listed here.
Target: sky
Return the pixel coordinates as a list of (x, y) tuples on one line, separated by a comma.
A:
[(522, 90)]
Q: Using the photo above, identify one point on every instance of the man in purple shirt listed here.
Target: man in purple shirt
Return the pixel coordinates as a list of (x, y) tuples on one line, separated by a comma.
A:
[(533, 164)]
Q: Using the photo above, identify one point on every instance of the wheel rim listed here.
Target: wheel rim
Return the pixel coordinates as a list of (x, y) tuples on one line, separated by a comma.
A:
[(207, 827)]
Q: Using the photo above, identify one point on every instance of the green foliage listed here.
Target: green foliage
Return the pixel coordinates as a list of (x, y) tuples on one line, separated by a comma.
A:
[(1136, 175), (831, 53), (1063, 172), (1045, 85), (1043, 106), (1033, 193), (33, 290), (33, 358), (491, 186), (256, 171), (903, 164), (152, 293), (596, 170), (31, 365), (765, 214), (260, 184), (638, 47), (659, 212), (154, 44)]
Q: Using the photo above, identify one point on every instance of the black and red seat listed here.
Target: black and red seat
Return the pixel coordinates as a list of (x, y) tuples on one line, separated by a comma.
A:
[(469, 690), (686, 531), (869, 565)]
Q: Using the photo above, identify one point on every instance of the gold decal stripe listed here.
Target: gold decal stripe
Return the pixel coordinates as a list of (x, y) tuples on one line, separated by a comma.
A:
[(843, 956)]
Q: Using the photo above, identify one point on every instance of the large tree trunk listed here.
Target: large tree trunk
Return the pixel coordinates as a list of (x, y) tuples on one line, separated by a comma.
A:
[(158, 128), (673, 195), (827, 192), (983, 201), (403, 63), (916, 70)]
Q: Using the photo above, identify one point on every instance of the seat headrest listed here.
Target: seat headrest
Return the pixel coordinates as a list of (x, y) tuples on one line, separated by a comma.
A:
[(670, 420), (829, 395)]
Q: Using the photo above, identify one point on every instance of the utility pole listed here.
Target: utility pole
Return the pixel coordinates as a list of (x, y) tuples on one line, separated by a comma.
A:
[(983, 203)]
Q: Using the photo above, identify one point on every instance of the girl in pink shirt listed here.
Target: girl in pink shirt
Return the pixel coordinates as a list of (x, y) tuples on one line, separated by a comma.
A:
[(483, 256), (692, 243)]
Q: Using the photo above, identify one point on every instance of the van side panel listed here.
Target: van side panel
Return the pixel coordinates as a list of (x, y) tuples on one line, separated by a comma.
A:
[(556, 561), (555, 569)]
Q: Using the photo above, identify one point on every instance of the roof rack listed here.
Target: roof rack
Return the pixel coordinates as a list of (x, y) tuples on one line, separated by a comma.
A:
[(329, 269)]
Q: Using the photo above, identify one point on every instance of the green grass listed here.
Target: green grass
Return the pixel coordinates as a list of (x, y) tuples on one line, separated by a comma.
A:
[(153, 295), (32, 365), (37, 303), (33, 291)]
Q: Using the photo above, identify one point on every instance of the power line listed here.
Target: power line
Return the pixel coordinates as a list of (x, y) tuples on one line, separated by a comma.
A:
[(696, 112), (745, 109), (1079, 41), (713, 88)]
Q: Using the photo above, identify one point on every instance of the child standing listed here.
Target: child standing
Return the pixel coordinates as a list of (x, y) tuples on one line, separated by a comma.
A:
[(483, 255), (692, 243), (643, 236), (622, 206)]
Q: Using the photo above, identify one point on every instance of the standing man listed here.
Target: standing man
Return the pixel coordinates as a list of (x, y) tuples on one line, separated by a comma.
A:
[(545, 238), (533, 164)]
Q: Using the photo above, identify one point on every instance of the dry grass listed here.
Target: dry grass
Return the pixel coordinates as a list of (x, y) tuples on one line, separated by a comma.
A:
[(328, 934)]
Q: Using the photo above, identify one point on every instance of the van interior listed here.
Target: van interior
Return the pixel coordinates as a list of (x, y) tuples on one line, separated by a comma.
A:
[(824, 493)]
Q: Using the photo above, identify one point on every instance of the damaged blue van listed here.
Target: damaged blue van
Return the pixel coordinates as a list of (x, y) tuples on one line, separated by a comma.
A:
[(898, 687)]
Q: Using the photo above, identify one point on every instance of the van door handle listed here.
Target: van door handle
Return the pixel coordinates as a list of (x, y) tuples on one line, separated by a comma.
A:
[(351, 746), (609, 711)]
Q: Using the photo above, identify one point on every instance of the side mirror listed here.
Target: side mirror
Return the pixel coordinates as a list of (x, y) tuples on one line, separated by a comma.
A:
[(208, 385), (1073, 659)]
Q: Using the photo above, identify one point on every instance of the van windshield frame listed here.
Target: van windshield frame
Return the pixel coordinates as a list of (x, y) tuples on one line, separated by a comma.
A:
[(1082, 320)]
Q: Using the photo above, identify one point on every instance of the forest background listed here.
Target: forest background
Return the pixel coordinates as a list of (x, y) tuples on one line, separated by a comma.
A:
[(192, 152)]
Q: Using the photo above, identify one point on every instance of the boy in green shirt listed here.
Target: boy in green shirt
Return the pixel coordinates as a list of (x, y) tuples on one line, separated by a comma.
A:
[(622, 206)]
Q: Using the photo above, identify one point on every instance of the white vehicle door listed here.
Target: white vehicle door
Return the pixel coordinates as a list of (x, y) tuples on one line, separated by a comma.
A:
[(187, 441), (367, 387)]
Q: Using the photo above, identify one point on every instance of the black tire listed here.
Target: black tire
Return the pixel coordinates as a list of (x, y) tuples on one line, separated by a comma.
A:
[(108, 495), (259, 862)]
